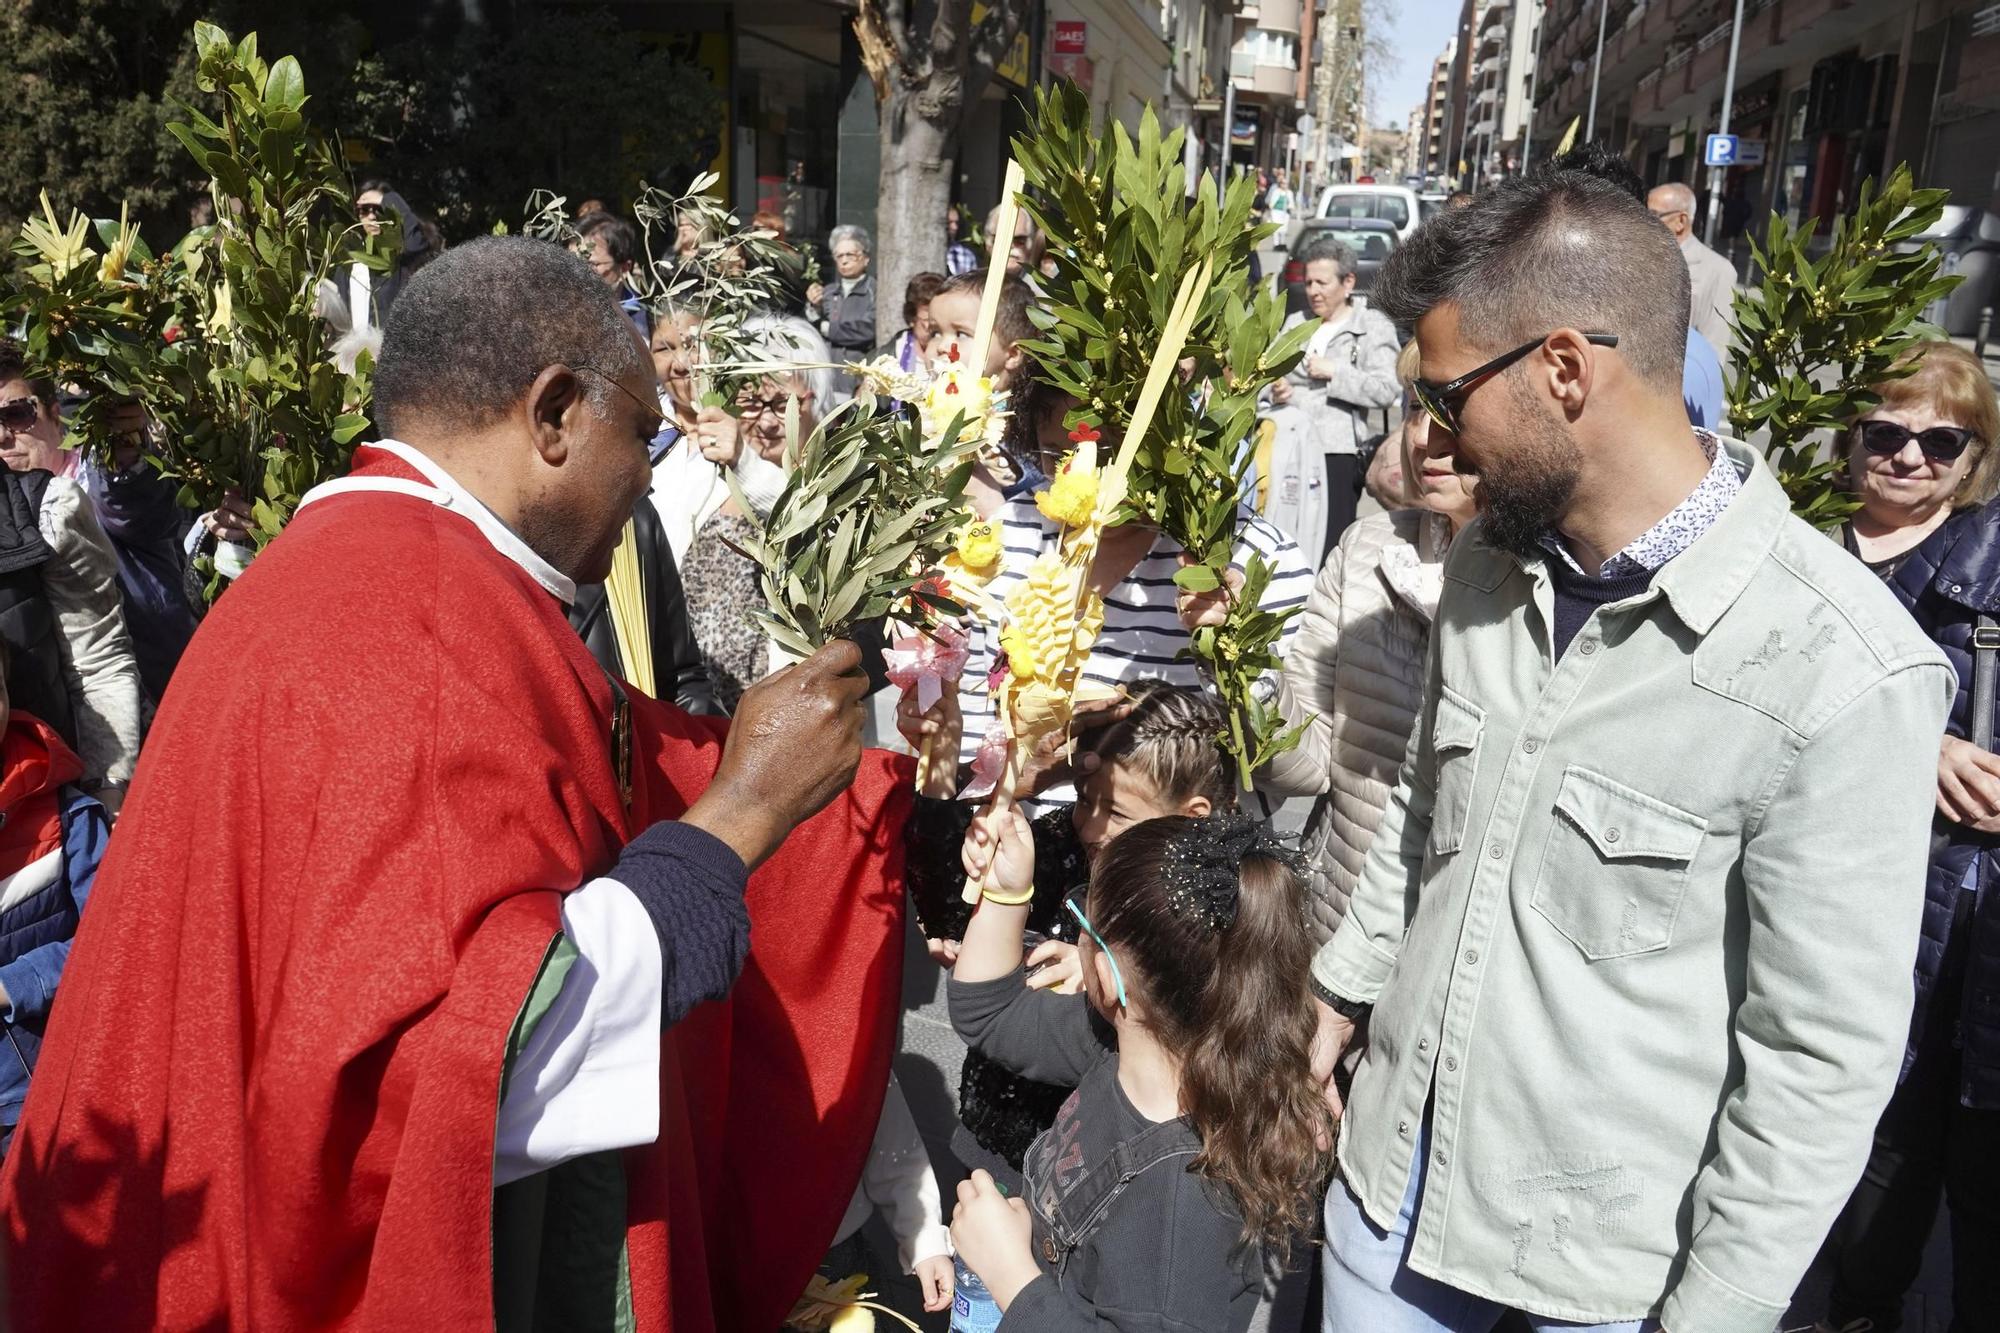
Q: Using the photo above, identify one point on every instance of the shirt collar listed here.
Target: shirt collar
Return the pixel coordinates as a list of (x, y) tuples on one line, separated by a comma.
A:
[(1673, 534), (502, 538)]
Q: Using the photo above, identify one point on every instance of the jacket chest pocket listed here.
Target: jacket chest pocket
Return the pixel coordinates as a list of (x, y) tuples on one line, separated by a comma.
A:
[(1616, 866), (1455, 733)]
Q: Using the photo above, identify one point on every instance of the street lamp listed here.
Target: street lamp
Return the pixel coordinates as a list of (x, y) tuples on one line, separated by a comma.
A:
[(1716, 175), (1597, 67)]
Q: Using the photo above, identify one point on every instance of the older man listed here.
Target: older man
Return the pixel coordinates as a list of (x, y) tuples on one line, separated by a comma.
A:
[(409, 888), (1713, 300), (1638, 989)]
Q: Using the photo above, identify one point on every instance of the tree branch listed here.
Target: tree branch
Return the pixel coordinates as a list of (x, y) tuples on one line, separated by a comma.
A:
[(885, 47), (948, 34), (991, 42)]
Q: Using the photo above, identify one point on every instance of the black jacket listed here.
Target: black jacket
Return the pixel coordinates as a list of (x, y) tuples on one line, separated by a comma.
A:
[(1951, 580), (27, 621), (677, 667)]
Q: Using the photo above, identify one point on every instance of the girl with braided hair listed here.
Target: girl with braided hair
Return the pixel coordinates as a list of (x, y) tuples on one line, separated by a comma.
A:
[(1155, 754), (1177, 1177)]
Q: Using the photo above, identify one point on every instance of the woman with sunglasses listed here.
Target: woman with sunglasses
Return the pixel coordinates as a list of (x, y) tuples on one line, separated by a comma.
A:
[(1921, 455), (1940, 1136)]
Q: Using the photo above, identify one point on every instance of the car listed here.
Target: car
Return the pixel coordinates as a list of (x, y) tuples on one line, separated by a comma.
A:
[(1372, 240), (1430, 205), (1394, 204)]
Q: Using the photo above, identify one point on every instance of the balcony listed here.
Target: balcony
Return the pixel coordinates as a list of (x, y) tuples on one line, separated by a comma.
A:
[(1278, 16)]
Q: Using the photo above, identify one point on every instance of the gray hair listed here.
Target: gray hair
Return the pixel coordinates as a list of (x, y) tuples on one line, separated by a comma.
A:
[(1326, 249), (1557, 250), (788, 340), (850, 232), (1677, 194), (477, 324)]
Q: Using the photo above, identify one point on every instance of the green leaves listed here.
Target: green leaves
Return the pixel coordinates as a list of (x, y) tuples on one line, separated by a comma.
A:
[(221, 338), (1123, 233), (1815, 335), (867, 514)]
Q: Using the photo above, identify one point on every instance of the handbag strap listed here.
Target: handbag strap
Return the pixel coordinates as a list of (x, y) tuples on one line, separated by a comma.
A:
[(1985, 659)]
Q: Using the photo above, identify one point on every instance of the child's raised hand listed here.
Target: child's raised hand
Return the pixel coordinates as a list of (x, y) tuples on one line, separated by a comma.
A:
[(994, 1236), (1060, 968), (935, 1277), (1006, 843)]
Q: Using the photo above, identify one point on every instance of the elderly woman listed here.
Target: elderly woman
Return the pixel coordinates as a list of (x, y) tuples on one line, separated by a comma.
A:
[(1919, 456), (1355, 676), (1338, 394), (722, 587), (1929, 449), (847, 308)]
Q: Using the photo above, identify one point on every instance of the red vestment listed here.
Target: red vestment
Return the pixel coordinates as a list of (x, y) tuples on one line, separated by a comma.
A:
[(268, 1091)]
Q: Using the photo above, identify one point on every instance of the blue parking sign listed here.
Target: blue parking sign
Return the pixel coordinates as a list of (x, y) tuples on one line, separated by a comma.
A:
[(1721, 150)]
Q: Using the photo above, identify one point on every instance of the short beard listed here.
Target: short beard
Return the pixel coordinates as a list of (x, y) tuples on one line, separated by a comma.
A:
[(1524, 490)]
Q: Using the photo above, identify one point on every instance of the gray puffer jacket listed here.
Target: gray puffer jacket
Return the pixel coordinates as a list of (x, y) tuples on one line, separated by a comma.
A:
[(1357, 671)]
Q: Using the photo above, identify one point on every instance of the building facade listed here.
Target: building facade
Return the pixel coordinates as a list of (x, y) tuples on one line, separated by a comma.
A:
[(1827, 94)]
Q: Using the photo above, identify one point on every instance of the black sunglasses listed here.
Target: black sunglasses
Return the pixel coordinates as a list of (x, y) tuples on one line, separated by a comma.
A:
[(368, 210), (20, 413), (1941, 444), (1442, 401)]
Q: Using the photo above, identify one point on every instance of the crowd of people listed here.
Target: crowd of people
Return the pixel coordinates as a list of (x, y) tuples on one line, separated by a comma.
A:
[(1634, 952)]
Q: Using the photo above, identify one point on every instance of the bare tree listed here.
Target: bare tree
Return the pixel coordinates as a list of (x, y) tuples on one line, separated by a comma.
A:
[(929, 62)]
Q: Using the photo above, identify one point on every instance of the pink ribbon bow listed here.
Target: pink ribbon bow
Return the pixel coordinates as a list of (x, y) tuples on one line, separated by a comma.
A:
[(924, 662)]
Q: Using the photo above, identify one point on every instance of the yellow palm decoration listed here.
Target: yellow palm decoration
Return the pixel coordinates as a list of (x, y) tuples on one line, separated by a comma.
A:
[(62, 249), (625, 597)]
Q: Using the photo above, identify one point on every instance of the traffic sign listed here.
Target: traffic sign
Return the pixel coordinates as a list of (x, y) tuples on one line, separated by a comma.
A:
[(1750, 153), (1721, 151)]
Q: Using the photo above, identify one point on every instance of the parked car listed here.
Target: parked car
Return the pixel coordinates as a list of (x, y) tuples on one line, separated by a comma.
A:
[(1395, 204), (1430, 205), (1372, 240)]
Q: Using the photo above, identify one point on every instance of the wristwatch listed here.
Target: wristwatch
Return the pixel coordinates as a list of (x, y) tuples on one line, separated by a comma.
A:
[(1351, 1010)]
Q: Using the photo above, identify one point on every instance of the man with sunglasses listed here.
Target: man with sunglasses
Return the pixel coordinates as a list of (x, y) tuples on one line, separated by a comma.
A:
[(1636, 983)]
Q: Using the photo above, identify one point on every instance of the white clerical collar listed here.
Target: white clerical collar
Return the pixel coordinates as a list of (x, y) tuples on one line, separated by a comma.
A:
[(504, 539)]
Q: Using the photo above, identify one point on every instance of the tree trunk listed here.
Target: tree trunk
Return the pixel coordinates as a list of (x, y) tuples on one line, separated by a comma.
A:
[(917, 157)]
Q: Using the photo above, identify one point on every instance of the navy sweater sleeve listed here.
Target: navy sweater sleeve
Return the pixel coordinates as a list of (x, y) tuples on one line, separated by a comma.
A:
[(691, 885), (1038, 1034)]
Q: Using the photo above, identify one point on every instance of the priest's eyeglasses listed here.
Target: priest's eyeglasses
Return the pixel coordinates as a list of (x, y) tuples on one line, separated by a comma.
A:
[(1444, 401)]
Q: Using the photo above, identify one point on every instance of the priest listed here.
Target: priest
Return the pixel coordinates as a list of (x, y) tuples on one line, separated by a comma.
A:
[(364, 1026)]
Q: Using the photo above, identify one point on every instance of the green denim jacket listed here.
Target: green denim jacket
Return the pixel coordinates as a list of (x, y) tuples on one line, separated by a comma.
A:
[(1639, 925)]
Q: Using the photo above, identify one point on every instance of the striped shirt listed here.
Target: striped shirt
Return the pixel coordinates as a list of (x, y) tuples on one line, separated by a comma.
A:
[(1142, 635)]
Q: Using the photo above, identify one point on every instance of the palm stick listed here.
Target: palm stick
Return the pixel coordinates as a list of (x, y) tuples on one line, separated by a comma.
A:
[(1001, 244)]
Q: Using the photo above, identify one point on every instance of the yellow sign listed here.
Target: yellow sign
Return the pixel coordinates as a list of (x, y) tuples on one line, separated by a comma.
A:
[(1014, 67)]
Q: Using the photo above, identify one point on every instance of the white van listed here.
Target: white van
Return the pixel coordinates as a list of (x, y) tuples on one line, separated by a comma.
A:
[(1394, 204)]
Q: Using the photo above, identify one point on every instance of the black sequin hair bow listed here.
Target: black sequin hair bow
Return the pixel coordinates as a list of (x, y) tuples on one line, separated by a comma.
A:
[(1204, 865)]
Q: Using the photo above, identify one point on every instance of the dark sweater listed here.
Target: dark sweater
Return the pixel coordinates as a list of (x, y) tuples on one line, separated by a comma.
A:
[(1577, 595), (1000, 1112)]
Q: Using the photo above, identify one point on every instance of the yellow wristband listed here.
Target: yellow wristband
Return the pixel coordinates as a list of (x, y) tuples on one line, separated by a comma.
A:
[(1001, 901)]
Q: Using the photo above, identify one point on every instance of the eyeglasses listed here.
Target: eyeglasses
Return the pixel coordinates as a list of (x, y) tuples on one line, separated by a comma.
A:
[(752, 408), (1664, 213), (368, 210), (1443, 401), (1941, 444), (1117, 978), (19, 414)]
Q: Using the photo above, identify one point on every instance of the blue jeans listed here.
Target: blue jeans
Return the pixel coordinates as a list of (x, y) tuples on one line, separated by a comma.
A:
[(1369, 1287)]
